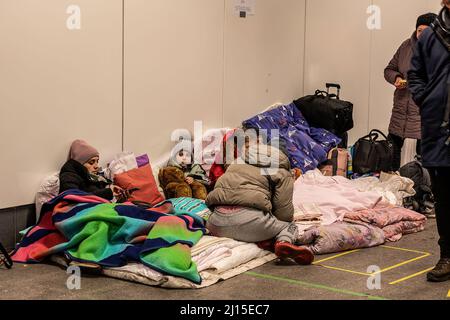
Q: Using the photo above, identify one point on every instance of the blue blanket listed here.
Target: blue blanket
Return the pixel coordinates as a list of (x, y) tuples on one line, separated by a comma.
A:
[(305, 146)]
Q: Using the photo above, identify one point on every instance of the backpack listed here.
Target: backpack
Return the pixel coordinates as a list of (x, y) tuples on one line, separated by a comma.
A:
[(423, 201)]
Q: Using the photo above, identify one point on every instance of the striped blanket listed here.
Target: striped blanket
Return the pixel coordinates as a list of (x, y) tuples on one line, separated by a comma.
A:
[(90, 229)]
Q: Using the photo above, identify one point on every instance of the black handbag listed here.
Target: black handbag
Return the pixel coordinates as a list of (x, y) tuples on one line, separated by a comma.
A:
[(373, 155), (327, 111), (5, 258)]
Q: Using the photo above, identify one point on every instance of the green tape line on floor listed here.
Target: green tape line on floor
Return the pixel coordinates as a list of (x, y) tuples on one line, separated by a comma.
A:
[(314, 285)]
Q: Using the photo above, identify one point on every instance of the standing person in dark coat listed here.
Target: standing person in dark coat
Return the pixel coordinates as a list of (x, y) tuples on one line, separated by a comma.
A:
[(429, 84), (81, 172), (405, 119)]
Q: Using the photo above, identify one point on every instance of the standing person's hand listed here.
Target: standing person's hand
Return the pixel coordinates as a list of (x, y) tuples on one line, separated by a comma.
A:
[(189, 180), (400, 83)]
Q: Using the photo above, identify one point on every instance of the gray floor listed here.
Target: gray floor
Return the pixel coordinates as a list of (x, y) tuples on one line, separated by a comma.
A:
[(270, 281)]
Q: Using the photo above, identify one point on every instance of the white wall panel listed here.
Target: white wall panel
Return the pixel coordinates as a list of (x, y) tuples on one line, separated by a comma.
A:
[(173, 70), (264, 56), (433, 5), (338, 50), (56, 85)]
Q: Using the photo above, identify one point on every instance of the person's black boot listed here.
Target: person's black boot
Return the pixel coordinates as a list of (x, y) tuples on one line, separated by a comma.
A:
[(441, 271)]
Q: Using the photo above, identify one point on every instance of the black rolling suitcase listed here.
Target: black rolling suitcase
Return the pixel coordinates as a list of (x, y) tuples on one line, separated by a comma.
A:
[(325, 110), (5, 258)]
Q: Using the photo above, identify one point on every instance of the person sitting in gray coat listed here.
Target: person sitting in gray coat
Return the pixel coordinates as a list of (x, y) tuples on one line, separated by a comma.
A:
[(252, 202), (405, 118)]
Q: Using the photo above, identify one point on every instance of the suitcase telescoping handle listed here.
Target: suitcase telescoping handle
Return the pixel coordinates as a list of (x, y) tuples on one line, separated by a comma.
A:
[(334, 85)]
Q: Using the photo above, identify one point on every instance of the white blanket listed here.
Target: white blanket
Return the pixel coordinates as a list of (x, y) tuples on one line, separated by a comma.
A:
[(333, 196), (217, 259), (393, 188)]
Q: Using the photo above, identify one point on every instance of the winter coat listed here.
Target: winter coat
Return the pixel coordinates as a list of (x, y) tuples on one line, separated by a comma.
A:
[(429, 84), (244, 184), (405, 118), (74, 175)]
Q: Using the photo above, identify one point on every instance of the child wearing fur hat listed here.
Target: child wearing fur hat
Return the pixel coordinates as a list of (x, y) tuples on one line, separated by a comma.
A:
[(81, 172), (183, 178)]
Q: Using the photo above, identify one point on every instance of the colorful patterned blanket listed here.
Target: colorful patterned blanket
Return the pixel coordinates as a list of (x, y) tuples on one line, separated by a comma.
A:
[(305, 146), (90, 229)]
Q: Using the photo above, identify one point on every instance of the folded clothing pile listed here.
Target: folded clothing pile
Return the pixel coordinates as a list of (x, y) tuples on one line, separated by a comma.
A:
[(392, 187)]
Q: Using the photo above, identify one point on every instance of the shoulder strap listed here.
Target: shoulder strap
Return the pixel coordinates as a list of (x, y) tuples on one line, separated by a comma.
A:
[(372, 136), (375, 131), (334, 160), (439, 29), (321, 93)]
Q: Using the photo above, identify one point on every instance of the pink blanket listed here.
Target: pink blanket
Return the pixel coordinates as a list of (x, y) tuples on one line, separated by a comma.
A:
[(394, 221), (333, 196)]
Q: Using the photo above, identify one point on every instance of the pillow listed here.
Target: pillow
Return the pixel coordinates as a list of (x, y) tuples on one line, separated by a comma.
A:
[(156, 169), (341, 236), (143, 179), (122, 162), (142, 160), (48, 189)]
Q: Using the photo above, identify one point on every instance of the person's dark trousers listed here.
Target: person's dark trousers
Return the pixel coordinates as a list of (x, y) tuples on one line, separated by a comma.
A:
[(419, 148), (440, 180), (398, 143)]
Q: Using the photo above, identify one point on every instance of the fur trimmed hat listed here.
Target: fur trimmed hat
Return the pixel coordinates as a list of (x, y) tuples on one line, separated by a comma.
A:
[(426, 19), (185, 145), (81, 151)]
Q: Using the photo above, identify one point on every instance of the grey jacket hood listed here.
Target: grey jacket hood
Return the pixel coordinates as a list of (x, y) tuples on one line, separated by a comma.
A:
[(265, 156)]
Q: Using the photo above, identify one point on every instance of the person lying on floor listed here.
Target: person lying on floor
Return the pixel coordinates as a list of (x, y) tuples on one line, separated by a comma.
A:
[(252, 204), (81, 172)]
